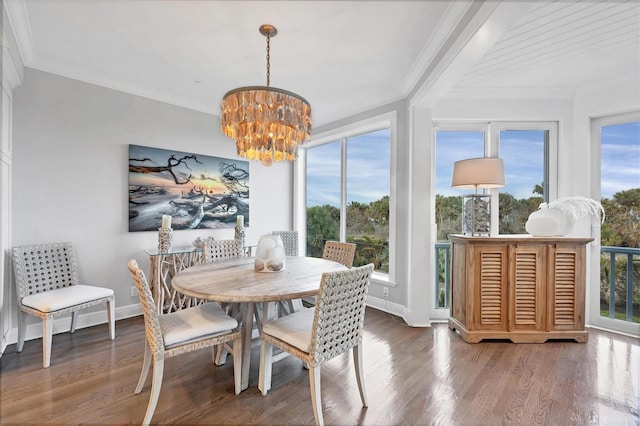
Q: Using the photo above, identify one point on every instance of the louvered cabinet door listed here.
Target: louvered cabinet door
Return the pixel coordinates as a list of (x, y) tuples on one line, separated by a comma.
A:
[(489, 272), (566, 287), (527, 277)]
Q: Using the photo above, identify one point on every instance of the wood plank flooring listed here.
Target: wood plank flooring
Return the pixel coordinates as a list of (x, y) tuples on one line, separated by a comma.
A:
[(413, 376)]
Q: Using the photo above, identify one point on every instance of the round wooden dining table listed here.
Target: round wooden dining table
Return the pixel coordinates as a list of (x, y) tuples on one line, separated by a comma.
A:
[(236, 281)]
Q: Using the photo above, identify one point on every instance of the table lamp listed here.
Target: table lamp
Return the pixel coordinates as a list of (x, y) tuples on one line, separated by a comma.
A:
[(477, 173)]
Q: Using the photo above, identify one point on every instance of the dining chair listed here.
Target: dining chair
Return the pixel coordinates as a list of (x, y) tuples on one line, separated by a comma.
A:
[(178, 332), (289, 240), (317, 335), (222, 250), (47, 284), (338, 252)]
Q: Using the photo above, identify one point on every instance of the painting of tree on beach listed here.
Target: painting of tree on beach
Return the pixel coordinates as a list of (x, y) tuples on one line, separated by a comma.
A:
[(197, 191)]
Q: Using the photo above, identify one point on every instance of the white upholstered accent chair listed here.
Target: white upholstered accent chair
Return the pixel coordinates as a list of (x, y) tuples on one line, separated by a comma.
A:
[(289, 240), (222, 250), (317, 335), (47, 284), (179, 332)]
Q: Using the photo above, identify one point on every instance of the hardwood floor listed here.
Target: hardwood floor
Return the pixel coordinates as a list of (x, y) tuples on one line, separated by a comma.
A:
[(413, 376)]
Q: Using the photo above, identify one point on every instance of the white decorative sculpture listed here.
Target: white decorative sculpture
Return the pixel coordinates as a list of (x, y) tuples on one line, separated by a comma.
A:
[(558, 217), (270, 254)]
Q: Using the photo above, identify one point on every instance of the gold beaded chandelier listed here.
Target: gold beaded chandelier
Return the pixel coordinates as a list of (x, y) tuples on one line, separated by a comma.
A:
[(267, 123)]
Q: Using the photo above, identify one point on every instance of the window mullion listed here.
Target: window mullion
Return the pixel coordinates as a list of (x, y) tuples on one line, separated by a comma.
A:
[(343, 189)]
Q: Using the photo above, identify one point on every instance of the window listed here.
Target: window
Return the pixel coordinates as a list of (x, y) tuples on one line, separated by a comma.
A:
[(452, 146), (348, 194), (617, 181), (524, 156)]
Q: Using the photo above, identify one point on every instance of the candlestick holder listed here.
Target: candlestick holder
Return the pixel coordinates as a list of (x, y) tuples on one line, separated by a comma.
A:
[(165, 239), (239, 234)]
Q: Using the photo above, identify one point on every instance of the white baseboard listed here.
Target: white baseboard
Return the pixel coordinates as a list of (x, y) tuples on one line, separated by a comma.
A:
[(63, 324), (386, 306), (3, 343)]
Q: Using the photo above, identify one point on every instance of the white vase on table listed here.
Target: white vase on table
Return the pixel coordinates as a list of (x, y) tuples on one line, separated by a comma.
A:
[(270, 254)]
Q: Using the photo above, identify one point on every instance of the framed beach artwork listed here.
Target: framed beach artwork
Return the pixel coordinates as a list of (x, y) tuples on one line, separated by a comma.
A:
[(197, 191)]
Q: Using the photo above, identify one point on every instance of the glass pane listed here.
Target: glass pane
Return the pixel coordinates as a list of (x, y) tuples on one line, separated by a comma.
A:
[(620, 233), (523, 155), (368, 178), (452, 146), (323, 196)]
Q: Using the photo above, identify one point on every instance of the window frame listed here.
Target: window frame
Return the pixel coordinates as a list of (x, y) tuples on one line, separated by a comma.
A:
[(593, 287), (491, 131), (341, 134)]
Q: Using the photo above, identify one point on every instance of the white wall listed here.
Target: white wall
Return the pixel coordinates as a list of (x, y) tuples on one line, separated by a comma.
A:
[(70, 171)]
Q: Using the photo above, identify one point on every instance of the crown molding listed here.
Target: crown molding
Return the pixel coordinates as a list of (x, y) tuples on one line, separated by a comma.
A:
[(21, 26), (443, 32)]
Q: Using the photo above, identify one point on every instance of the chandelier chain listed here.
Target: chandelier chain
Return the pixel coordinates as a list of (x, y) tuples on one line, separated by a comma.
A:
[(268, 59)]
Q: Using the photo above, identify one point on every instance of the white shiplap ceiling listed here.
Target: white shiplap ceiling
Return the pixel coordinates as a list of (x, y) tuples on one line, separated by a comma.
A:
[(559, 46), (343, 56)]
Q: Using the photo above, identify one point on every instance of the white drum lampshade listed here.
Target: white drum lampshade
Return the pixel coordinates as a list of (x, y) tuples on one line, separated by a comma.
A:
[(477, 173)]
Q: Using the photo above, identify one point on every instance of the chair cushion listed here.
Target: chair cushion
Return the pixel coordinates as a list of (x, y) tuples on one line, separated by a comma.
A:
[(294, 329), (194, 323), (66, 297)]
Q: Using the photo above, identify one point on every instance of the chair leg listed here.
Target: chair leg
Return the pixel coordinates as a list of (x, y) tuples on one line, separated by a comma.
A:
[(316, 400), (47, 336), (220, 353), (74, 321), (237, 365), (357, 360), (264, 380), (156, 384), (146, 363), (111, 317), (22, 329)]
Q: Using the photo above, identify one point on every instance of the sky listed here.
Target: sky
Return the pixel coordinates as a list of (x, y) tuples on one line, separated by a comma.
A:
[(620, 158), (367, 170), (521, 150)]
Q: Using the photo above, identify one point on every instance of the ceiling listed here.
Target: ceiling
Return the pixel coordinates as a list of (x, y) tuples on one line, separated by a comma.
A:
[(345, 57)]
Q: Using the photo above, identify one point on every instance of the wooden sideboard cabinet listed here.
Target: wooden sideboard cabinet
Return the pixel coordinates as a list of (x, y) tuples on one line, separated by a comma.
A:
[(518, 287)]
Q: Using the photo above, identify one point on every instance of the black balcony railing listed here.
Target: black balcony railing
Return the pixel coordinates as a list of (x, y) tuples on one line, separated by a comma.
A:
[(366, 252), (443, 274), (620, 283)]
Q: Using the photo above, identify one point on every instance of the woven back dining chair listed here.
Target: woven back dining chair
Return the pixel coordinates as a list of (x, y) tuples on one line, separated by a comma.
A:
[(179, 332), (222, 250), (317, 335), (289, 240), (47, 284), (339, 252)]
